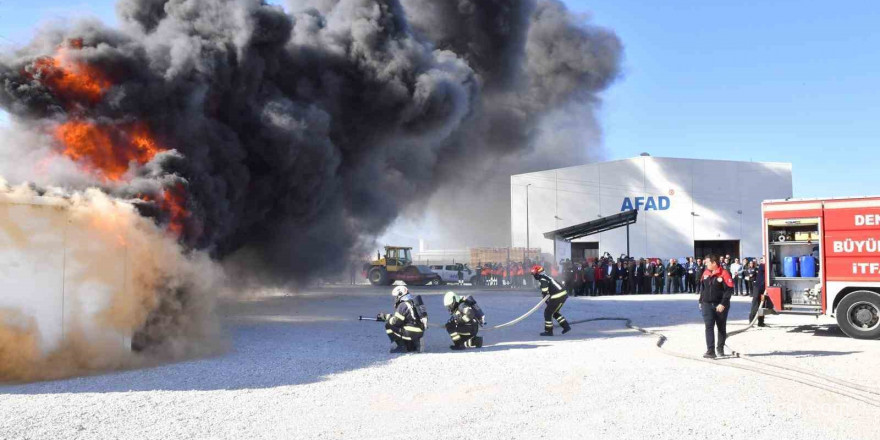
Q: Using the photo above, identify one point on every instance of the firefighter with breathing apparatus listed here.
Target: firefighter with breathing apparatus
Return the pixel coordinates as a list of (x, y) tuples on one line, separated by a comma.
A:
[(465, 320), (556, 296), (406, 326)]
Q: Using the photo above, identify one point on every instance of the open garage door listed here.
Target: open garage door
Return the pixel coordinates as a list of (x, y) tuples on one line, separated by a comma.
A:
[(717, 247)]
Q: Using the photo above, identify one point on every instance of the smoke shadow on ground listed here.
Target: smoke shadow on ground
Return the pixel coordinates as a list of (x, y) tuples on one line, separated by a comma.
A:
[(321, 336), (804, 353), (820, 330)]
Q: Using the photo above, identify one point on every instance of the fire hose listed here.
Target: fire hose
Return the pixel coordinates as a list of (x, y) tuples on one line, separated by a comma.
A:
[(524, 316), (836, 386), (506, 324)]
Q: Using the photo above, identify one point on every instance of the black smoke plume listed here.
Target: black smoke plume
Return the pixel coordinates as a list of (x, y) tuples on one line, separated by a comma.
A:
[(302, 134)]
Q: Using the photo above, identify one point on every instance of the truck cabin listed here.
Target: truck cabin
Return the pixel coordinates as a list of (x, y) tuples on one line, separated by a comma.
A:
[(398, 256)]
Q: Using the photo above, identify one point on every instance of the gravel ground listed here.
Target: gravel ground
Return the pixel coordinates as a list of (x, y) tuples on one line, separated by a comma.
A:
[(300, 366)]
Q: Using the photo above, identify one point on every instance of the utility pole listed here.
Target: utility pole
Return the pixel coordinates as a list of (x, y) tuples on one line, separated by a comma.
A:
[(527, 223)]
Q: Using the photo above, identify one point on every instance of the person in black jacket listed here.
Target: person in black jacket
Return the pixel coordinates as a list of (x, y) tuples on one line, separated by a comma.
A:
[(690, 275), (701, 267), (620, 281), (676, 281), (630, 278), (589, 275), (749, 273), (556, 297), (568, 276), (648, 276), (715, 304), (757, 290), (659, 276), (578, 286)]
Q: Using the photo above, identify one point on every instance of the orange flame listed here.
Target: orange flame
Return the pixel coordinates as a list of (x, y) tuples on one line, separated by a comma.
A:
[(108, 149), (70, 80), (174, 203)]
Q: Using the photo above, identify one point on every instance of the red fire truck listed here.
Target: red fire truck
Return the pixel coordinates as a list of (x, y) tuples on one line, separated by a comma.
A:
[(823, 258)]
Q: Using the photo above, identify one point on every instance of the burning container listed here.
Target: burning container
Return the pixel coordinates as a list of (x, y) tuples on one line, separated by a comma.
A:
[(63, 276)]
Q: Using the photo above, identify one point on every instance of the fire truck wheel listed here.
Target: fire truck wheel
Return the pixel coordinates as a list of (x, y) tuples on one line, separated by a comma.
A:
[(378, 276), (858, 315)]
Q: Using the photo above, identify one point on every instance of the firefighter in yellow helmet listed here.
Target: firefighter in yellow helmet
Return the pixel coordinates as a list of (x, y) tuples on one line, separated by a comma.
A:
[(556, 297)]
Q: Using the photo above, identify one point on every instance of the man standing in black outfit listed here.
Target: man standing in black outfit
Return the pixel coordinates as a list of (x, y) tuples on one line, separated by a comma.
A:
[(633, 278), (611, 279), (589, 275), (637, 276), (659, 275), (621, 274), (679, 271), (757, 291), (690, 275), (701, 267), (715, 305)]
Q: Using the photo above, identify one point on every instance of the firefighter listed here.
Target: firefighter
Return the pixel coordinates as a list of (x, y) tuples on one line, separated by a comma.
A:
[(715, 304), (556, 297), (465, 320), (404, 327)]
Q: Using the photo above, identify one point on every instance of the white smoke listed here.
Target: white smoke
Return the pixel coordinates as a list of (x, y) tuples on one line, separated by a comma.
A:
[(83, 274)]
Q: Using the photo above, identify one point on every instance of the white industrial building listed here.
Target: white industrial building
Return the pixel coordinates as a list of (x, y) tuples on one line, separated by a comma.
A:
[(686, 206)]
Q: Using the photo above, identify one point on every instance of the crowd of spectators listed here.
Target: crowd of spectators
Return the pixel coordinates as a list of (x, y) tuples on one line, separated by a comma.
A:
[(622, 276)]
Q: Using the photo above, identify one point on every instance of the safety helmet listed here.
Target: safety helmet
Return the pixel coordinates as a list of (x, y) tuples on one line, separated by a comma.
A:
[(399, 291), (450, 299), (536, 269)]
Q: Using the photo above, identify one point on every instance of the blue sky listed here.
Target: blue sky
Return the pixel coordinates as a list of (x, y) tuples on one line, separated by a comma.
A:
[(787, 81)]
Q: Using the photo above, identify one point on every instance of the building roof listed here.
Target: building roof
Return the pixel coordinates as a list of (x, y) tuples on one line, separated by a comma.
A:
[(594, 226), (646, 158)]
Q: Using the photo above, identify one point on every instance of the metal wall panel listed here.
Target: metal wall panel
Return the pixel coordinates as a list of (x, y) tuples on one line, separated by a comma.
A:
[(707, 200)]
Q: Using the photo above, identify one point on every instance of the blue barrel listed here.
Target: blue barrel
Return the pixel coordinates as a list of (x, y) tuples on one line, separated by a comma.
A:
[(790, 267), (808, 266)]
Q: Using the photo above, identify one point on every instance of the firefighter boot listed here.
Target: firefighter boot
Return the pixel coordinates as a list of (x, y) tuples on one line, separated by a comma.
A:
[(456, 346), (398, 348), (565, 328), (547, 332), (475, 342)]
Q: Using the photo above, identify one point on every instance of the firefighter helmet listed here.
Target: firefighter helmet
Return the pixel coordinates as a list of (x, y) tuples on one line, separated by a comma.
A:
[(450, 299), (536, 269), (399, 291)]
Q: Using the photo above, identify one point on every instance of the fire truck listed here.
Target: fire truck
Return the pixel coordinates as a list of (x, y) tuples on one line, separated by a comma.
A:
[(823, 258)]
